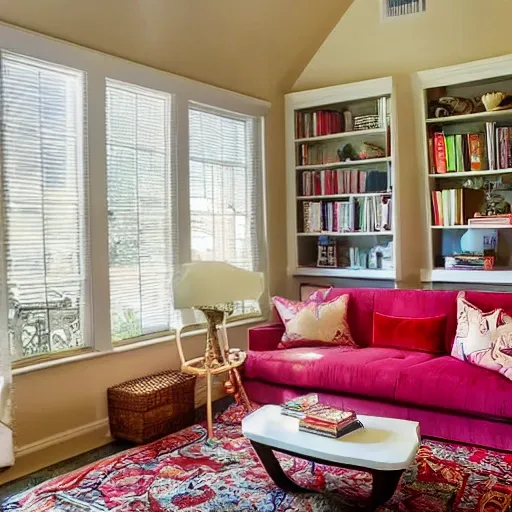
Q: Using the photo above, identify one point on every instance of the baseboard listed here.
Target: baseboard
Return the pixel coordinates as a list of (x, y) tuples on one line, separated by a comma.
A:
[(62, 437)]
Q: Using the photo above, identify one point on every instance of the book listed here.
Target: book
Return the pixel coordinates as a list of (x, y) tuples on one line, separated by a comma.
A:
[(440, 153), (297, 406), (351, 427), (491, 220), (450, 154), (475, 151), (459, 153)]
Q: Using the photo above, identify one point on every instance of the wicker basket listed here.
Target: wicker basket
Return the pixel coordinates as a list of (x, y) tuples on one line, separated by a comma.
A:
[(147, 408)]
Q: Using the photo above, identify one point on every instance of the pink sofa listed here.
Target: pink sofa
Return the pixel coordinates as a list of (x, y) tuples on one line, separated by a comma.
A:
[(451, 399)]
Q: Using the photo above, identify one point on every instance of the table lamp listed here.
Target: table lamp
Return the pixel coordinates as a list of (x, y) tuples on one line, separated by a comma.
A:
[(212, 287)]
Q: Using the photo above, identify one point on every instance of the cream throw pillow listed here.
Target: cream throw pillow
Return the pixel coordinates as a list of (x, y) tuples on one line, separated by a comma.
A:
[(314, 322)]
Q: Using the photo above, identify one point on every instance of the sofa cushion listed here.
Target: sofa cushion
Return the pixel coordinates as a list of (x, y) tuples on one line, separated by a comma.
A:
[(314, 322), (450, 384), (405, 303), (425, 334), (420, 304), (360, 371), (360, 312)]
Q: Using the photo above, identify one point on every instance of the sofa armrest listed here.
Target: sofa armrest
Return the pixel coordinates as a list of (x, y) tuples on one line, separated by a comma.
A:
[(266, 337)]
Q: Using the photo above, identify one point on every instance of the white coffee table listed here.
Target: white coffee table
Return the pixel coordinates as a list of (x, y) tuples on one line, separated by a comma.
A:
[(385, 448)]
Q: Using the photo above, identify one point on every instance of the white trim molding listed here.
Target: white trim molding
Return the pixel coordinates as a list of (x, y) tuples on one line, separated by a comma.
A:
[(467, 72), (62, 437)]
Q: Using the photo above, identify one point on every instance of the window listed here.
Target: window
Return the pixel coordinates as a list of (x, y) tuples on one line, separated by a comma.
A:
[(44, 183), (225, 189), (139, 208), (111, 175)]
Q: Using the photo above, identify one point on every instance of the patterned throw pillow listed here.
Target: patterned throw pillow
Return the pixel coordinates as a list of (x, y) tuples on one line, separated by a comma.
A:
[(314, 322), (483, 339)]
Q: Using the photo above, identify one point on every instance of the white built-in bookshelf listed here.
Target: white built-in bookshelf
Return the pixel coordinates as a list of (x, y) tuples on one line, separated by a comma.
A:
[(478, 148), (340, 177)]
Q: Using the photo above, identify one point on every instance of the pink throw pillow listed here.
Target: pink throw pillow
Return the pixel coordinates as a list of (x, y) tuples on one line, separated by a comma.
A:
[(313, 322), (483, 339)]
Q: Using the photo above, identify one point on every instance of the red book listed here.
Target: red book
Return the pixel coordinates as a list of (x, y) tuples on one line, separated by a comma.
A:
[(435, 207), (475, 151), (317, 184), (440, 153)]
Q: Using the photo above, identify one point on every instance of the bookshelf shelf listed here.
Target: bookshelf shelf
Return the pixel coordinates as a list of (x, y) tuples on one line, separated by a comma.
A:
[(350, 163), (479, 117), (345, 135), (468, 144), (337, 199), (343, 196), (353, 233), (351, 273), (467, 226), (470, 174), (441, 275)]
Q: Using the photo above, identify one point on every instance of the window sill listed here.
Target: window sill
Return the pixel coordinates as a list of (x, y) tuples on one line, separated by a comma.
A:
[(92, 354)]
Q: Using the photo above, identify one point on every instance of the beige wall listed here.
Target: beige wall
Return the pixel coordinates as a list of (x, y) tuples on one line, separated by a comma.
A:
[(362, 47), (255, 48)]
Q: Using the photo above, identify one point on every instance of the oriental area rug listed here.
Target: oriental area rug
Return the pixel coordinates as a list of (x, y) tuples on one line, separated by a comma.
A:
[(185, 472)]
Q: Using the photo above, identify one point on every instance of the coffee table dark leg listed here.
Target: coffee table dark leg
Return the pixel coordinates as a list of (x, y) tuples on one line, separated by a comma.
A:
[(384, 486), (274, 470), (384, 482)]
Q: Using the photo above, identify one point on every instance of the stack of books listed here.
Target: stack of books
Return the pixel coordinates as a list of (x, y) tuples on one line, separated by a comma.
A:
[(329, 422), (469, 262), (297, 407), (491, 221), (320, 419)]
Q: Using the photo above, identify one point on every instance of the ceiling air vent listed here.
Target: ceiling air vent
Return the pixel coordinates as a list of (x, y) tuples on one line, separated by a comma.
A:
[(398, 8)]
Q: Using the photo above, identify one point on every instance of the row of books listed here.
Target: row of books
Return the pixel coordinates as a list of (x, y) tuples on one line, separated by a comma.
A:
[(343, 181), (315, 154), (321, 419), (448, 207), (321, 122), (365, 214), (458, 153), (498, 146), (452, 207), (491, 150)]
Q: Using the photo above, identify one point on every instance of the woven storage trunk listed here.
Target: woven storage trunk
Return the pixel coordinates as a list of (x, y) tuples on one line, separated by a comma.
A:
[(147, 408)]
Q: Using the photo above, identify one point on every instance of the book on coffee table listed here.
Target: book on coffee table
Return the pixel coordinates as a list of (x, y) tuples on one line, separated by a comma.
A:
[(328, 421), (298, 406)]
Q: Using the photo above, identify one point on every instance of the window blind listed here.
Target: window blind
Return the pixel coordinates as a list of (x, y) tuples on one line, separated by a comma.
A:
[(140, 206), (44, 181), (226, 198)]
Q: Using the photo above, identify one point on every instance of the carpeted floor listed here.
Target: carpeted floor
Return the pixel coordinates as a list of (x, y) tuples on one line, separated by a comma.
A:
[(183, 472)]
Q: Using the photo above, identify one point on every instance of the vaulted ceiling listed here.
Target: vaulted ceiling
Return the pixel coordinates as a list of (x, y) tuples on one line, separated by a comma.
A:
[(256, 47)]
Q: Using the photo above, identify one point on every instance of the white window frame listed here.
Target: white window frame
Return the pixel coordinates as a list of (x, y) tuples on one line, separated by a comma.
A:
[(98, 67)]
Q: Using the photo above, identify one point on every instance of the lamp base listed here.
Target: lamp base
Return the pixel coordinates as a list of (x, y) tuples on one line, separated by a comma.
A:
[(214, 356), (218, 359)]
